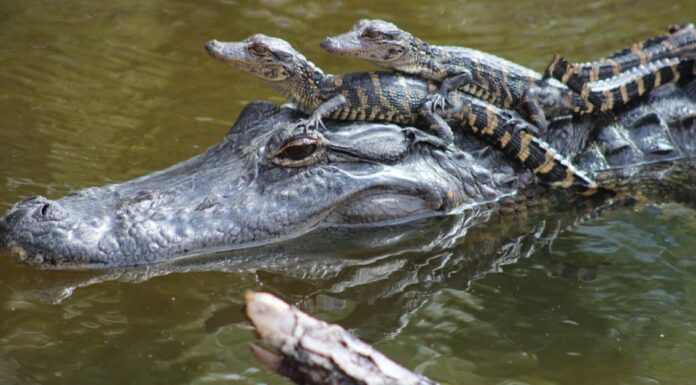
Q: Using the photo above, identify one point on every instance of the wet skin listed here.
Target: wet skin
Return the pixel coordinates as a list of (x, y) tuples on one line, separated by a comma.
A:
[(270, 179)]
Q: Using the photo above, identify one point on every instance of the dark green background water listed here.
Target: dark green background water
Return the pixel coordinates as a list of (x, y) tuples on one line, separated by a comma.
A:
[(95, 92)]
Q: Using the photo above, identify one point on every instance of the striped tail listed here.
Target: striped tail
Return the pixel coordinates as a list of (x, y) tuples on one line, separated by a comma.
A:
[(678, 35), (545, 162), (608, 95), (681, 38), (513, 136)]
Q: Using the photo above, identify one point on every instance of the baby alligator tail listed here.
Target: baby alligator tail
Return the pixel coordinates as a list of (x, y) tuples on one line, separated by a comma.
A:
[(680, 40), (513, 137)]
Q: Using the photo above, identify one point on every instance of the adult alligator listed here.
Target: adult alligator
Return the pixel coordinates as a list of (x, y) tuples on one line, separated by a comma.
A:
[(270, 179)]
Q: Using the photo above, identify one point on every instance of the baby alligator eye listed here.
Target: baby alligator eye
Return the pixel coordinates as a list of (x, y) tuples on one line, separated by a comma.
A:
[(372, 34), (259, 50)]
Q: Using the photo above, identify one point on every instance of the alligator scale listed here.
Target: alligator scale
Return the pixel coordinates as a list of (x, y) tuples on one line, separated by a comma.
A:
[(507, 84), (277, 175), (396, 98)]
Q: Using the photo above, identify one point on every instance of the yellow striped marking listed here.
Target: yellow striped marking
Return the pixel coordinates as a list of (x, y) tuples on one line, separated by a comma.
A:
[(566, 75), (675, 72), (641, 55), (608, 101), (567, 182), (615, 67), (362, 97), (404, 102), (472, 121), (591, 190), (503, 88), (624, 93), (594, 74), (484, 84), (658, 79), (505, 139), (552, 66), (344, 113), (353, 114), (479, 69), (377, 84), (524, 146), (548, 164), (373, 113), (491, 122), (641, 86), (670, 47)]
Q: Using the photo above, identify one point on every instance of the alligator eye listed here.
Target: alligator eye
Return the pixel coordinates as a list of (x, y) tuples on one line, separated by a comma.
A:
[(372, 34), (299, 152), (296, 150), (259, 50)]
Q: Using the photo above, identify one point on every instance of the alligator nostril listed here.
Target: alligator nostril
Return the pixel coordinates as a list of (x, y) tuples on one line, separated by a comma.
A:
[(48, 211), (31, 201)]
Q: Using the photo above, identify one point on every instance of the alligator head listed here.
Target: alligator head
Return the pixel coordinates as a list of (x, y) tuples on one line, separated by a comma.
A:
[(267, 180), (381, 42)]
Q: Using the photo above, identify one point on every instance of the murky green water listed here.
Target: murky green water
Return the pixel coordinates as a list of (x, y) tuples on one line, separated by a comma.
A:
[(95, 92)]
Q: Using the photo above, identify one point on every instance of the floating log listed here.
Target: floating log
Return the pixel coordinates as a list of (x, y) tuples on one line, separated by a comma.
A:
[(309, 351)]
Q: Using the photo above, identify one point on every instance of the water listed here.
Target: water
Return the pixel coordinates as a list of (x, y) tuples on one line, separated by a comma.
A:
[(97, 92)]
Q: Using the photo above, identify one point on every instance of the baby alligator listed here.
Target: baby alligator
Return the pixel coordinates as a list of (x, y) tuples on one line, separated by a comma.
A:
[(680, 41), (391, 97), (607, 95), (496, 80)]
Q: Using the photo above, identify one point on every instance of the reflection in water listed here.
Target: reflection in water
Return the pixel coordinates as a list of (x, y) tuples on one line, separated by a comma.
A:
[(94, 92), (470, 307)]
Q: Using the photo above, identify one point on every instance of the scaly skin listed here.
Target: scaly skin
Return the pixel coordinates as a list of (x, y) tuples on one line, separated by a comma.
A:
[(616, 92), (269, 180), (396, 98), (680, 41), (488, 77)]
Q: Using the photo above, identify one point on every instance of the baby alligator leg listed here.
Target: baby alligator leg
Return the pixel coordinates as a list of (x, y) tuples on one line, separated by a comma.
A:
[(530, 108), (455, 79), (436, 124), (325, 109)]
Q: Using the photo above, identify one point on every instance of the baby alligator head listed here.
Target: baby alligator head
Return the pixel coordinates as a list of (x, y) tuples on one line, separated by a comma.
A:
[(378, 41)]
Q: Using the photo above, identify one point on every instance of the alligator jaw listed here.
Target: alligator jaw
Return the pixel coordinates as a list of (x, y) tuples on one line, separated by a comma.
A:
[(229, 53), (347, 45)]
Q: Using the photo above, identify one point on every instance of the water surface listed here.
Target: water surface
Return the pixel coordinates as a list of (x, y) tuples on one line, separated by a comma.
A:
[(96, 92)]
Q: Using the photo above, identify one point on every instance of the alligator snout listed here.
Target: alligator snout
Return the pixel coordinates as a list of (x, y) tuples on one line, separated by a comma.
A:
[(332, 45), (37, 208), (28, 219), (327, 43)]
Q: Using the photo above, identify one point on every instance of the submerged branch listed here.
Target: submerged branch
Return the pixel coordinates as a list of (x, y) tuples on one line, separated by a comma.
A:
[(310, 351)]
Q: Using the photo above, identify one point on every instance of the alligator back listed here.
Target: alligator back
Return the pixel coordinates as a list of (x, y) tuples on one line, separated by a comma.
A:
[(653, 140), (380, 96)]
